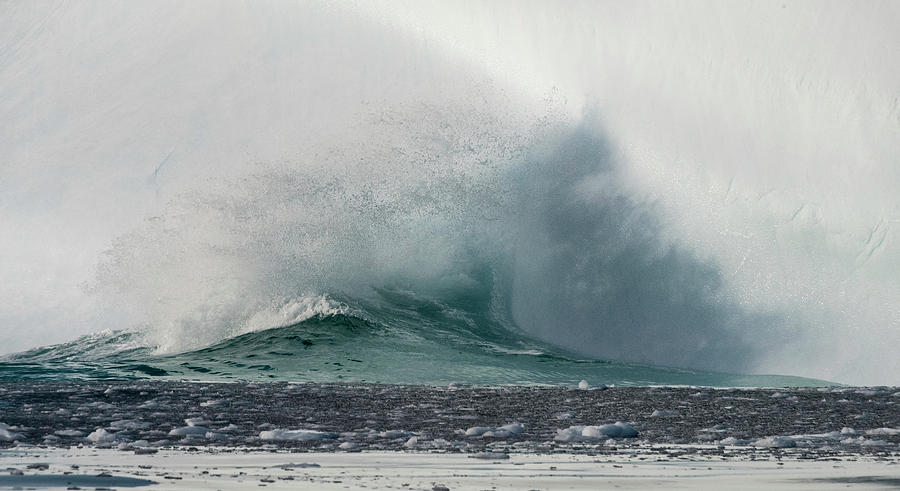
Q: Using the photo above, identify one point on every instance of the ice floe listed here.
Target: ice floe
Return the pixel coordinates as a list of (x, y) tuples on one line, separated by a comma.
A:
[(602, 432), (776, 442), (296, 435), (504, 431)]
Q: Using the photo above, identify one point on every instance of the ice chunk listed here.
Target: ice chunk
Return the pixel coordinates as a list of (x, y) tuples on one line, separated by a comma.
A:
[(587, 433), (197, 422), (101, 436), (68, 432), (478, 430), (504, 431), (662, 413), (6, 435), (776, 442), (189, 431), (296, 435), (392, 434)]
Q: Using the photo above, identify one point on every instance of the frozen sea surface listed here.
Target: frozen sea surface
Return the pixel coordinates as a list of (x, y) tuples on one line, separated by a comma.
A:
[(145, 416)]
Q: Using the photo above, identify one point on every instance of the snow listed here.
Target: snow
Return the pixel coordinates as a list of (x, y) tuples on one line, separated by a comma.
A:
[(632, 469), (588, 433)]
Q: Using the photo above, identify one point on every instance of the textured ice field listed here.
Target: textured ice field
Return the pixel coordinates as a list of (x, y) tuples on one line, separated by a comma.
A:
[(332, 417)]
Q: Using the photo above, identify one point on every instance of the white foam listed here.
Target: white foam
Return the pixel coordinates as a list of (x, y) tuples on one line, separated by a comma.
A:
[(293, 312)]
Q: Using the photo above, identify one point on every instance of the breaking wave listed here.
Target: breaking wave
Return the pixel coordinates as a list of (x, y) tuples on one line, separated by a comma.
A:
[(402, 339), (436, 193)]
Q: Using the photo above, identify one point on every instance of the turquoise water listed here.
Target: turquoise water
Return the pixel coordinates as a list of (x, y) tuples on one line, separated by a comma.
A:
[(400, 338)]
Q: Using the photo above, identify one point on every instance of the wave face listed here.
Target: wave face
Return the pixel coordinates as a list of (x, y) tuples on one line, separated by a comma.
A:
[(399, 338), (430, 193)]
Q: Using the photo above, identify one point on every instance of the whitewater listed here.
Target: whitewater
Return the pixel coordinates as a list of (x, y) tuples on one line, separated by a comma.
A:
[(645, 193)]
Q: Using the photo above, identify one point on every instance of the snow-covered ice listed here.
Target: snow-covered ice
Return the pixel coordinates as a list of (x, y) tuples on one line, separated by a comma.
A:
[(297, 435), (7, 435), (602, 432), (504, 431)]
